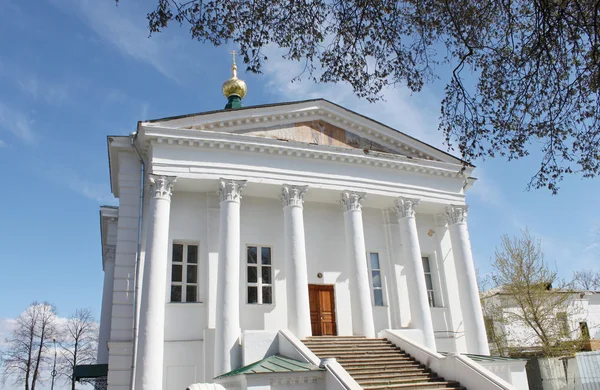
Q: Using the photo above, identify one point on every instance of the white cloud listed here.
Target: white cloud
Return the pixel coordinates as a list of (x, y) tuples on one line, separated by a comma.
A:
[(6, 327), (18, 123), (125, 28), (91, 190), (31, 84), (414, 114)]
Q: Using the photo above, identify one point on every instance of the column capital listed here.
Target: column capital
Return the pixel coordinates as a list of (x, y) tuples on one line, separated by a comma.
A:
[(231, 189), (405, 207), (293, 195), (352, 200), (456, 214), (161, 187)]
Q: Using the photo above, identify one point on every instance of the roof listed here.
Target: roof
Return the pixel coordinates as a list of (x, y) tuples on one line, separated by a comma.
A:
[(273, 364), (500, 291), (305, 101)]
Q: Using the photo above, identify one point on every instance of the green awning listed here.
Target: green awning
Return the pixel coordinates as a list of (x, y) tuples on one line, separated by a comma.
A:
[(85, 371), (273, 364)]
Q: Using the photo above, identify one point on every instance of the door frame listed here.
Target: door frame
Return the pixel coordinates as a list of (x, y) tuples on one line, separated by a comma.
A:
[(331, 288)]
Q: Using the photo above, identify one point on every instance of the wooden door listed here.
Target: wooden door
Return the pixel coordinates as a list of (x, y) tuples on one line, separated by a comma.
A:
[(322, 310)]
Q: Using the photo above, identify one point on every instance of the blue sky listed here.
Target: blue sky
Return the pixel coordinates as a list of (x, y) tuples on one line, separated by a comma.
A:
[(74, 71)]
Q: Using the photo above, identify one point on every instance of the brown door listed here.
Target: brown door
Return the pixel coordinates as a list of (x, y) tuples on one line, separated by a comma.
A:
[(322, 310)]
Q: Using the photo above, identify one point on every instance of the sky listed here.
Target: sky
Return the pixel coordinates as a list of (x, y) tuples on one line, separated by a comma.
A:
[(74, 71)]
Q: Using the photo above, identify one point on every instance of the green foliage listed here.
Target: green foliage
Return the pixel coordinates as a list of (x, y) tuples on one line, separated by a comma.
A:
[(535, 63)]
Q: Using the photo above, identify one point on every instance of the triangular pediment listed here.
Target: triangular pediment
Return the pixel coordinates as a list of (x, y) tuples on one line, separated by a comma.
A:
[(315, 122), (317, 132)]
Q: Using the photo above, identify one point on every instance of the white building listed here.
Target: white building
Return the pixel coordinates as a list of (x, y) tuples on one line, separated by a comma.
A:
[(576, 317), (241, 232)]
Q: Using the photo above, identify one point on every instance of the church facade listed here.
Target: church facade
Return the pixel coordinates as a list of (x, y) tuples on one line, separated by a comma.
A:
[(243, 229)]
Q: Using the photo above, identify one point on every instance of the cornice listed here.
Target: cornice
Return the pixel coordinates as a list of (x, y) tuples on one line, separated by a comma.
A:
[(248, 143), (365, 127)]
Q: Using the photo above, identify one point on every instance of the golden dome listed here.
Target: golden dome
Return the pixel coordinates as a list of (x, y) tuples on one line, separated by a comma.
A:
[(234, 86)]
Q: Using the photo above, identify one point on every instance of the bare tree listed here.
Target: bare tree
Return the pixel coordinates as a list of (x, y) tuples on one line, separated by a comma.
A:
[(78, 342), (532, 299), (28, 347), (586, 279)]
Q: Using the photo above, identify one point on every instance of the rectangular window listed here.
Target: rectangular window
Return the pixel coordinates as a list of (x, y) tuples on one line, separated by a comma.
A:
[(429, 281), (489, 328), (184, 273), (563, 322), (259, 274), (376, 282)]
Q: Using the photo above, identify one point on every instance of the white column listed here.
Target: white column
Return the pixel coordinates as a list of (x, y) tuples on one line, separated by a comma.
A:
[(468, 292), (227, 331), (149, 367), (295, 254), (417, 290), (355, 244), (108, 257)]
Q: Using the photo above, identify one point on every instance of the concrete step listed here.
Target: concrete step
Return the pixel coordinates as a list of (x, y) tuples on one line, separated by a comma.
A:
[(356, 348), (398, 381), (419, 386), (361, 354), (388, 376), (373, 359), (400, 370)]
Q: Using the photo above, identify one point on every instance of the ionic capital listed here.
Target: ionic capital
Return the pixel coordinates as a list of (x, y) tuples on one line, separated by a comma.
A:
[(161, 187), (352, 200), (456, 214), (231, 189), (293, 195), (405, 207)]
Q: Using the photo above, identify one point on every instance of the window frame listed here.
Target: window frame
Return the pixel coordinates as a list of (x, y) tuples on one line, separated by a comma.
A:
[(259, 279), (431, 293), (372, 286), (184, 270), (562, 317)]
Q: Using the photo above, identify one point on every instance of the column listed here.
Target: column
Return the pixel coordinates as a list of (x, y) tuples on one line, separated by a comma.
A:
[(295, 254), (108, 257), (227, 331), (149, 368), (468, 292), (420, 312), (355, 244)]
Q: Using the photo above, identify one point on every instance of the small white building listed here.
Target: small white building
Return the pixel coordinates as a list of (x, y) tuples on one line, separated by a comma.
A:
[(242, 231), (577, 317)]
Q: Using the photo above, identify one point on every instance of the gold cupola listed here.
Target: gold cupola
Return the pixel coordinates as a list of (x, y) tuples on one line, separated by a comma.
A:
[(234, 89)]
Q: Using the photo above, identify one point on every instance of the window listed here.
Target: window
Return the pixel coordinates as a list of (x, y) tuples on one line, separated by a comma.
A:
[(489, 328), (585, 331), (184, 273), (563, 322), (429, 281), (259, 274), (376, 282)]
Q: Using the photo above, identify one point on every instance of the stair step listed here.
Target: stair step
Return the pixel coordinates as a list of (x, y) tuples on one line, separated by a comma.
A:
[(401, 370), (393, 376), (424, 385), (335, 347), (377, 364), (375, 359)]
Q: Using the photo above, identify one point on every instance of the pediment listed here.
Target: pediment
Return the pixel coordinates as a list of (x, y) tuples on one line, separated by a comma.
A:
[(315, 122), (317, 132)]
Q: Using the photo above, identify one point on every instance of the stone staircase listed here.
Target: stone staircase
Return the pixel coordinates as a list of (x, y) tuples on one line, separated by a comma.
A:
[(377, 363)]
